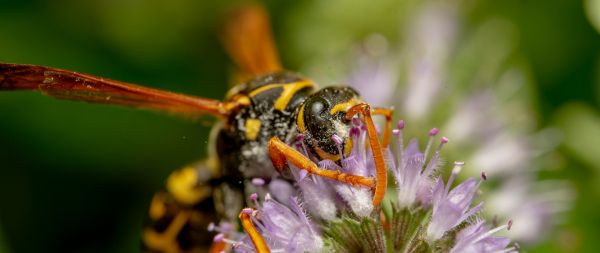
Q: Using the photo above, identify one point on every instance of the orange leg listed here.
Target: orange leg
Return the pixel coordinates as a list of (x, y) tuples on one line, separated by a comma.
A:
[(259, 242), (217, 247), (387, 113), (381, 173), (281, 153)]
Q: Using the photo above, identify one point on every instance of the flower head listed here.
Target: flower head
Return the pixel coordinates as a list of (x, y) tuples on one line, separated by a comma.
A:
[(451, 208), (425, 216), (285, 228)]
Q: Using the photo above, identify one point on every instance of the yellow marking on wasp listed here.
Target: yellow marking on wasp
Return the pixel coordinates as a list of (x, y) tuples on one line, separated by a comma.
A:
[(300, 120), (157, 206), (289, 89), (183, 186), (324, 155), (236, 102), (348, 146), (242, 100), (252, 129), (345, 106), (167, 240)]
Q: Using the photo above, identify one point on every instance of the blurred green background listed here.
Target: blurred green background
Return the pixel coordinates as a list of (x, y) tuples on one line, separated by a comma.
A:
[(77, 177)]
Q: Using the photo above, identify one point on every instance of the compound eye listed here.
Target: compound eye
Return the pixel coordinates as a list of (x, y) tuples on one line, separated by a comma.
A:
[(318, 107)]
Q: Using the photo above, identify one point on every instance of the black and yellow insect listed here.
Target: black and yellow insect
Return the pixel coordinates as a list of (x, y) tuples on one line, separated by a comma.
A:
[(260, 117)]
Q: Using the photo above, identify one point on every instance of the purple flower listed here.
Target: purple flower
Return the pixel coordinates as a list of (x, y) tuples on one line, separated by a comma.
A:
[(476, 238), (424, 211), (412, 173), (321, 195), (285, 228), (451, 208)]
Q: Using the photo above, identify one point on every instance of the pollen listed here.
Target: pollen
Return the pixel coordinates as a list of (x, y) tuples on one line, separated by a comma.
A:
[(252, 129)]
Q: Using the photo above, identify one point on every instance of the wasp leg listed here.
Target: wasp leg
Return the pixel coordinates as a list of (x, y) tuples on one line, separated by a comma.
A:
[(387, 113), (259, 242), (381, 173), (281, 153), (179, 215)]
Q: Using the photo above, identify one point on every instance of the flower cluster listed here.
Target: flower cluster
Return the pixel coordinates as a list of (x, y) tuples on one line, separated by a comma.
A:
[(422, 214), (435, 67)]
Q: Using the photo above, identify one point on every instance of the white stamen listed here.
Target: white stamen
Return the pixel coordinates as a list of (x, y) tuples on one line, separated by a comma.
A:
[(489, 233), (457, 168)]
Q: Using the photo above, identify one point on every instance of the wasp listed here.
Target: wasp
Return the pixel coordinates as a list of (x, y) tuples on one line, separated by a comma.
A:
[(258, 120)]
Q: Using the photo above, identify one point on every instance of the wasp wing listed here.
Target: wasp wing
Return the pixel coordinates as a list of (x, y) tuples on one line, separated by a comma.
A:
[(248, 39), (64, 84)]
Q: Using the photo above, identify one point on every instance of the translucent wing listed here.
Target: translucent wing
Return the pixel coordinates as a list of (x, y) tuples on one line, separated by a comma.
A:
[(64, 84), (248, 39)]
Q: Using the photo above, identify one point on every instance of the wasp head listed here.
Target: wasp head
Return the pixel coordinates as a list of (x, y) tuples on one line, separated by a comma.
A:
[(323, 122)]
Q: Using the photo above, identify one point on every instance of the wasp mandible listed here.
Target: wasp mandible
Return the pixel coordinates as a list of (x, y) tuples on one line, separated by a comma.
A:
[(258, 118)]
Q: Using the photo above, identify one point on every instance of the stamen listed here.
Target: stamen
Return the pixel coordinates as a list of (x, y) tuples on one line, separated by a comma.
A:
[(354, 132), (432, 162), (254, 196), (300, 137), (300, 143), (357, 122), (510, 223), (258, 181), (507, 250), (219, 237), (491, 232), (400, 144), (483, 176), (259, 242), (236, 244), (457, 168), (400, 124), (432, 133), (224, 227), (338, 141)]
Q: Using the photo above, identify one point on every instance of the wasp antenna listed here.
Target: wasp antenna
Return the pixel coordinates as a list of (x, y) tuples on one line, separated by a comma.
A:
[(259, 242), (380, 171)]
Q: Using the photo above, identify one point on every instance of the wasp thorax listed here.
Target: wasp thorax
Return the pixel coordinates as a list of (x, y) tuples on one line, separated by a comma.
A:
[(322, 120)]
